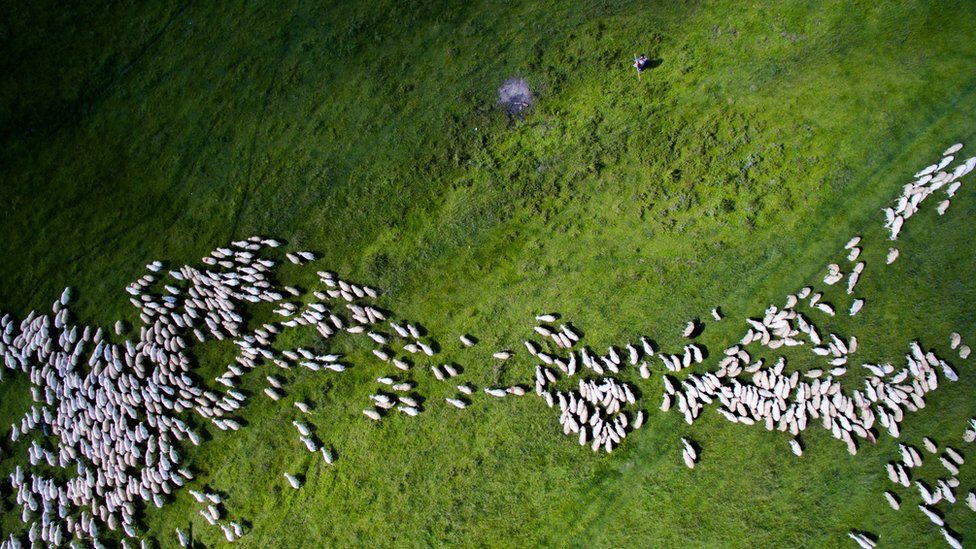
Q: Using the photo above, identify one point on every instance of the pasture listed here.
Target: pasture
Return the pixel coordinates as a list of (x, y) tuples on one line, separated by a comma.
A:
[(728, 176)]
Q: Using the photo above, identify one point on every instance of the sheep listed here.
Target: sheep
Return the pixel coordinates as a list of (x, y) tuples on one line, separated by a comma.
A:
[(716, 314), (409, 410), (892, 256), (930, 445), (372, 414), (467, 341), (964, 352), (796, 447), (502, 355), (647, 346), (690, 329), (293, 481), (862, 540), (953, 149), (182, 538), (892, 500), (954, 340), (689, 449), (932, 515), (460, 404), (547, 317), (402, 332), (951, 539)]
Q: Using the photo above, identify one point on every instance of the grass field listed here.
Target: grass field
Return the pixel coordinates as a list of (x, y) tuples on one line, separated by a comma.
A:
[(729, 175)]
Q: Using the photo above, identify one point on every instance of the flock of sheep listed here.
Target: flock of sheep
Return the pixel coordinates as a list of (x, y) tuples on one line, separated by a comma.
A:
[(113, 415)]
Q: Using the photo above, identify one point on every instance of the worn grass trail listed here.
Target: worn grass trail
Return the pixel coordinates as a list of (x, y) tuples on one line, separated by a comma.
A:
[(728, 176)]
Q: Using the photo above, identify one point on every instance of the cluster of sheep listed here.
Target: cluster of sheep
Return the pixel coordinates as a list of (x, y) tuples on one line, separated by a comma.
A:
[(785, 402), (113, 410), (927, 181), (212, 513), (943, 489), (594, 411), (123, 414)]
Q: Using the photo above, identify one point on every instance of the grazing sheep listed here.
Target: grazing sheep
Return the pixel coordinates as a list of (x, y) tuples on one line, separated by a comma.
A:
[(950, 466), (409, 410), (932, 515), (951, 539), (796, 447), (372, 414), (182, 538), (953, 149), (892, 500), (293, 481)]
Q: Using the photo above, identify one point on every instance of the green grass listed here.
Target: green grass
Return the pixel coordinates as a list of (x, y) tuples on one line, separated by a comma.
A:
[(728, 176)]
